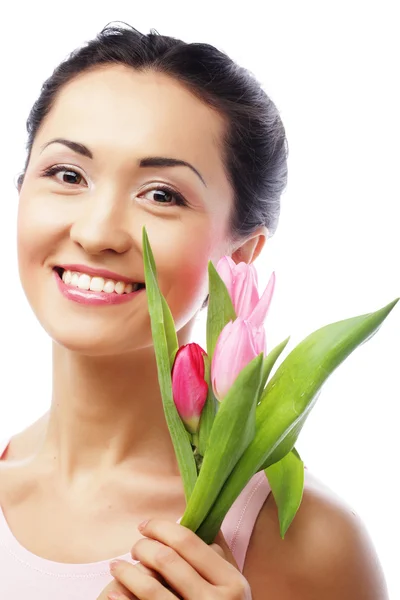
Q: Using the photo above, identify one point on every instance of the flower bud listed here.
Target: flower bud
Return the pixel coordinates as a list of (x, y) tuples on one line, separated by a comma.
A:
[(189, 389), (238, 343), (241, 282)]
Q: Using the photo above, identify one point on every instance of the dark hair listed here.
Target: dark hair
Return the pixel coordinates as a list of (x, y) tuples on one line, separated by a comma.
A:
[(254, 149)]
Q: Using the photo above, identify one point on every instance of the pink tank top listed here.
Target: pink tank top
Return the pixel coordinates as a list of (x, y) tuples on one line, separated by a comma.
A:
[(26, 576)]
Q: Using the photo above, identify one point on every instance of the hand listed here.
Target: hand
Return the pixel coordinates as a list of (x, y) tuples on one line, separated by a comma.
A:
[(176, 563), (121, 591)]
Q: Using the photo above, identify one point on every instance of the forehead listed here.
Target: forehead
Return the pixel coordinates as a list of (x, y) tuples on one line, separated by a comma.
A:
[(124, 110)]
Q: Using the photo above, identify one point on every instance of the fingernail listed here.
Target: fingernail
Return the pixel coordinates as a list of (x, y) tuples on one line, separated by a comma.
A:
[(114, 596), (114, 564), (143, 524)]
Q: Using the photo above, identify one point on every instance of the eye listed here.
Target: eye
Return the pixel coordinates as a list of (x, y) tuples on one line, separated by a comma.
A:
[(71, 174), (163, 193)]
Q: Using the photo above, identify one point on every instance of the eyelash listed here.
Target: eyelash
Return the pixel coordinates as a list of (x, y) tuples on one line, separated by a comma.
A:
[(180, 200)]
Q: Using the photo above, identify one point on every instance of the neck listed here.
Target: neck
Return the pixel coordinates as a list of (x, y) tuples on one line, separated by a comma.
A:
[(106, 413)]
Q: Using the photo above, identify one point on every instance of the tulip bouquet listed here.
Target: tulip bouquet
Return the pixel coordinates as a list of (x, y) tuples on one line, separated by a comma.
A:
[(227, 418)]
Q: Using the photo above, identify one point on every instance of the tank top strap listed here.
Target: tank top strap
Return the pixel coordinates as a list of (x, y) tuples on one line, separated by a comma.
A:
[(239, 522)]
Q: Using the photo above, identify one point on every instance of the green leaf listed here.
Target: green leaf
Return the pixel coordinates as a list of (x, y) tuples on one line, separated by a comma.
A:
[(270, 360), (220, 308), (232, 432), (288, 399), (209, 410), (289, 438), (286, 478), (169, 325), (170, 333), (296, 453), (157, 312)]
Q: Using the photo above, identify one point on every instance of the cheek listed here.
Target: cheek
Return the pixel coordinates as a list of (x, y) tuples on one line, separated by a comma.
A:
[(36, 239), (28, 236), (183, 272), (37, 229)]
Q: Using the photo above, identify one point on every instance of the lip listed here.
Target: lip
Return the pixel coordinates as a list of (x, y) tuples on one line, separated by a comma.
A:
[(92, 298), (97, 272)]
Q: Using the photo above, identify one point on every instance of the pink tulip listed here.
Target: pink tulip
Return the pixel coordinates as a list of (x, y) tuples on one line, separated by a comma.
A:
[(242, 340), (189, 389), (241, 281), (237, 345)]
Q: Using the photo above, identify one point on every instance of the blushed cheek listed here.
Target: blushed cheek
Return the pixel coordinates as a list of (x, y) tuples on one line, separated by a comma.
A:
[(185, 277)]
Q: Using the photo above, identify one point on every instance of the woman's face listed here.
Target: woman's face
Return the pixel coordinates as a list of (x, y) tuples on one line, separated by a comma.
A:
[(93, 212)]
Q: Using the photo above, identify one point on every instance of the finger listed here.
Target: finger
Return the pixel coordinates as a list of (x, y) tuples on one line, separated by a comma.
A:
[(118, 596), (218, 550), (208, 563), (115, 587), (121, 592), (149, 572), (140, 584), (176, 571)]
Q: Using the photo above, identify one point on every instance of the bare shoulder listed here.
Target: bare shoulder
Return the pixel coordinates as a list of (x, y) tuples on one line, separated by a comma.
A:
[(327, 552), (23, 444)]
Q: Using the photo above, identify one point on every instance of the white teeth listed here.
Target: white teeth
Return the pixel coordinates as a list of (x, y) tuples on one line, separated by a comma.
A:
[(109, 286), (120, 287), (84, 282), (97, 284)]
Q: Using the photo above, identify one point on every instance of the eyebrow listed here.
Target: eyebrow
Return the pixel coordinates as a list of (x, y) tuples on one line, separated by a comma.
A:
[(150, 161)]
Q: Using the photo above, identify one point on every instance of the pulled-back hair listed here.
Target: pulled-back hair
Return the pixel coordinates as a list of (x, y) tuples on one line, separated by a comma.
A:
[(254, 149)]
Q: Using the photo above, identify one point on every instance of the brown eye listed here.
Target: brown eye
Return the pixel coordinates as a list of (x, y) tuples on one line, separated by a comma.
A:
[(70, 176), (166, 195)]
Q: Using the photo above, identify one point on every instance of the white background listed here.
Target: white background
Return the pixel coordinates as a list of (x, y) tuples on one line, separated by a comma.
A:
[(332, 68)]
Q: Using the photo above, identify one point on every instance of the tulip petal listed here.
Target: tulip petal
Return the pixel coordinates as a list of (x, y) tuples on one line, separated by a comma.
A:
[(235, 348), (259, 339), (260, 311), (225, 271), (188, 386), (244, 292)]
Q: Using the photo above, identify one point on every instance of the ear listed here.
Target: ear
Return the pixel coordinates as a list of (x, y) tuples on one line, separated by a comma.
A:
[(249, 249), (18, 181)]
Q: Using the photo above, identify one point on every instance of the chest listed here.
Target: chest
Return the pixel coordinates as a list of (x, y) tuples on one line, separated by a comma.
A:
[(79, 529)]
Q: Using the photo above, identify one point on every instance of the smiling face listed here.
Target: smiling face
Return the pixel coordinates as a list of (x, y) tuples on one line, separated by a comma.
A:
[(92, 213)]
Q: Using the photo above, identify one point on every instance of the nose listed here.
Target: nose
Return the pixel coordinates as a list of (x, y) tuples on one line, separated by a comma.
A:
[(102, 225)]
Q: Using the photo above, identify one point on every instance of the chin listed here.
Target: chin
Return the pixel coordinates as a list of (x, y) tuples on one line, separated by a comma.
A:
[(89, 339), (81, 341), (86, 330)]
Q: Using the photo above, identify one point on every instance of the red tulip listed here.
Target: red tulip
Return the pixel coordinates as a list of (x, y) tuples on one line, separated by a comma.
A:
[(189, 389)]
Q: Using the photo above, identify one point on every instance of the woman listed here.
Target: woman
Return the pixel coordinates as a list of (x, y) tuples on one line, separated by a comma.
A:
[(137, 130)]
